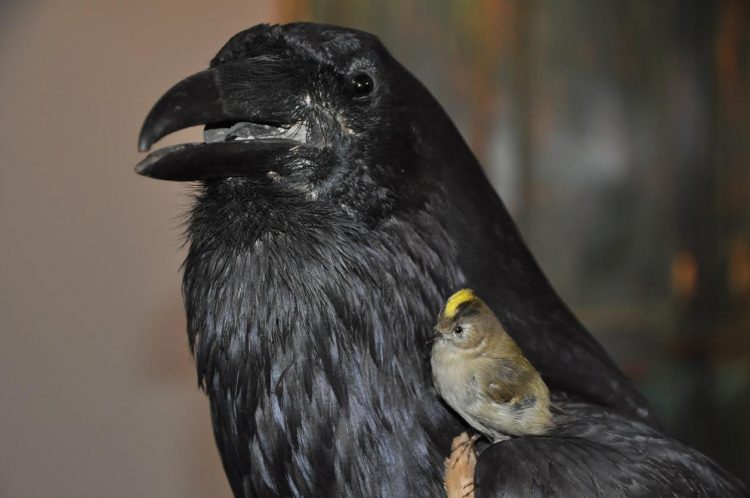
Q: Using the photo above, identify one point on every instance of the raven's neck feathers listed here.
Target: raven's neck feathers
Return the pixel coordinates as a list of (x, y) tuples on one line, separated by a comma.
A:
[(320, 333)]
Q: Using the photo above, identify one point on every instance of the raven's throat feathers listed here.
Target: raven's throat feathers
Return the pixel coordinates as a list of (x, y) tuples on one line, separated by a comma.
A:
[(293, 345)]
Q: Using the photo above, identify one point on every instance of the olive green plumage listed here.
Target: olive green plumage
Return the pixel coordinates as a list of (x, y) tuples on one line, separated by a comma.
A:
[(482, 373)]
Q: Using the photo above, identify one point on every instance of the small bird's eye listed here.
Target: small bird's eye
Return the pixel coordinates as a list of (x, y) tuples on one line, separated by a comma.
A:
[(458, 330), (362, 84)]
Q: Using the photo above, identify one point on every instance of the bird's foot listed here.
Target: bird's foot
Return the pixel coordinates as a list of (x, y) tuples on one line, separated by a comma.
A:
[(461, 445), (459, 467)]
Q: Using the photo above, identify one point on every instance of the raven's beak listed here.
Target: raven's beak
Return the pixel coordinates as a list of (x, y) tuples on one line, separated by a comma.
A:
[(254, 109), (193, 101)]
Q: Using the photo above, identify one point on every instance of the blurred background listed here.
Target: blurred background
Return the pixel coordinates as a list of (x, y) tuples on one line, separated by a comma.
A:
[(618, 134)]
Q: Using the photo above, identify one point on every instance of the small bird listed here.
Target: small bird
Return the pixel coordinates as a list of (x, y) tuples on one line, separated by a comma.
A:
[(482, 374)]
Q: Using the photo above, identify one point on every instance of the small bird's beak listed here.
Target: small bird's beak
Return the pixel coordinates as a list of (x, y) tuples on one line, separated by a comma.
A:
[(258, 100), (436, 335)]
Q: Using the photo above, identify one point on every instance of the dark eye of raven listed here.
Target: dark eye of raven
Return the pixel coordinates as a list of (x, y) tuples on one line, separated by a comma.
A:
[(458, 330), (361, 84)]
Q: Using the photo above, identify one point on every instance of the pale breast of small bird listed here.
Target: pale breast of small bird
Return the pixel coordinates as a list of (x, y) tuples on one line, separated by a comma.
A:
[(457, 375)]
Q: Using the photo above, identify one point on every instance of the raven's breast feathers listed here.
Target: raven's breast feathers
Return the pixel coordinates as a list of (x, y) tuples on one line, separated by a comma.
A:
[(320, 333)]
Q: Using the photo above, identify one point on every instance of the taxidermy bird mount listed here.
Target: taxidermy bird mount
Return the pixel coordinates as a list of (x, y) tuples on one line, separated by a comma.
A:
[(337, 206)]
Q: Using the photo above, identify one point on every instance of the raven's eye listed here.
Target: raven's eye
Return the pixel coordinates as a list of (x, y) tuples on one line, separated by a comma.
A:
[(361, 84), (458, 330)]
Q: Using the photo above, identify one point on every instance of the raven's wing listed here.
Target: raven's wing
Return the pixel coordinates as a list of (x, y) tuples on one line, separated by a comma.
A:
[(595, 452), (498, 265)]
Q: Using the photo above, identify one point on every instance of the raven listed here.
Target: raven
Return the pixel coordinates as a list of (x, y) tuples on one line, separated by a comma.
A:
[(336, 207)]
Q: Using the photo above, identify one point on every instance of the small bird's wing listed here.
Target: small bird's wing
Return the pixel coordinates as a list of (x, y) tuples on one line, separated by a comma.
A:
[(595, 452), (504, 380)]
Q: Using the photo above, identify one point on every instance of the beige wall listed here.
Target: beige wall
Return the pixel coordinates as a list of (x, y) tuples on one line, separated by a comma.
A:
[(97, 389)]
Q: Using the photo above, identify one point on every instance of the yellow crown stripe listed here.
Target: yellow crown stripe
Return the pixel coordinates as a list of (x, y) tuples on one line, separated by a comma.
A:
[(456, 300)]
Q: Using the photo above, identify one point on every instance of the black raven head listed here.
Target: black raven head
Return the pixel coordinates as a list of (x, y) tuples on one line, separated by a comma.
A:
[(305, 108)]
